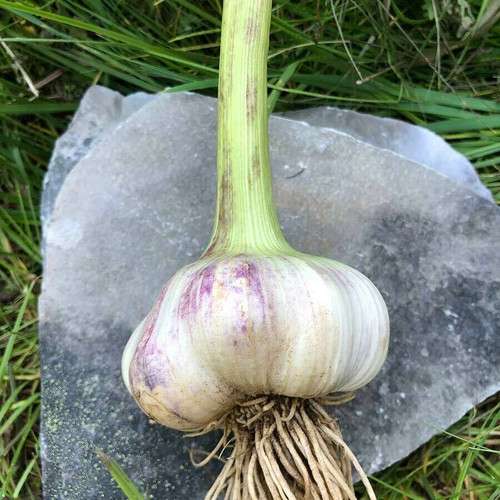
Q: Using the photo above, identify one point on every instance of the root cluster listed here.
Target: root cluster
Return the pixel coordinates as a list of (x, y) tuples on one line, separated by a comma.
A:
[(284, 449)]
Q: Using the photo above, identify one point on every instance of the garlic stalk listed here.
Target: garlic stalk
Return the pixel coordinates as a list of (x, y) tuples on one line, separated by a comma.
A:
[(255, 335)]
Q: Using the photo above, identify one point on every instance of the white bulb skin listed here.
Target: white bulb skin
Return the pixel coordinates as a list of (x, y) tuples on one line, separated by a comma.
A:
[(227, 329)]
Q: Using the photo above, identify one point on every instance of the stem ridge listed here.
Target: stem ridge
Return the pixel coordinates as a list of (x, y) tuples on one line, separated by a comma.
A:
[(245, 219)]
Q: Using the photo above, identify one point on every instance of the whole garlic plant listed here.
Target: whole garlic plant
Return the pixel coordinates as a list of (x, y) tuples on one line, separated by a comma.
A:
[(255, 335)]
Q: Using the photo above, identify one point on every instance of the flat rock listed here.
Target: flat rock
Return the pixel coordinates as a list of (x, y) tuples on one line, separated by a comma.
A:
[(411, 141), (101, 110), (139, 205)]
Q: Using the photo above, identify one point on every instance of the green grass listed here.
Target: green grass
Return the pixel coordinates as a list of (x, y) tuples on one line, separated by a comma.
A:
[(435, 63)]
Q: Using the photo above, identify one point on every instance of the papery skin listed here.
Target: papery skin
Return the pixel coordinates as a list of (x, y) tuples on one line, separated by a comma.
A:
[(226, 329)]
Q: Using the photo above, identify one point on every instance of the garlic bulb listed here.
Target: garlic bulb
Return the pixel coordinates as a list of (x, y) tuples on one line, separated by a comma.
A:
[(251, 337), (229, 329)]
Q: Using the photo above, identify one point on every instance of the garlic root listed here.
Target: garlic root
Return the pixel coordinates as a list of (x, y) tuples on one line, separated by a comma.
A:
[(284, 448)]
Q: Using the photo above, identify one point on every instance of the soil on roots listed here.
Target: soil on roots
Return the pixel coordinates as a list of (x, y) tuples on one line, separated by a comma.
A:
[(284, 449)]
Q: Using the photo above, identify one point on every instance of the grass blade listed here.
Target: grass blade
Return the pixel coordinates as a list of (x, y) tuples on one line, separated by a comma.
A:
[(119, 475)]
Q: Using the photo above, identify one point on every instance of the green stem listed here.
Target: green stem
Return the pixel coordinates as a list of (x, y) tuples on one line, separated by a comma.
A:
[(245, 219)]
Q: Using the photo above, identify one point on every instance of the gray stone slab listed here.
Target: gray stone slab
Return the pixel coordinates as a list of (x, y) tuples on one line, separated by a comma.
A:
[(101, 110), (411, 141), (139, 205)]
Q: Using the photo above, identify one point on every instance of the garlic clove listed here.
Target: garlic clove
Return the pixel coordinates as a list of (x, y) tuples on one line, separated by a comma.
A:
[(129, 352), (168, 382), (294, 325)]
